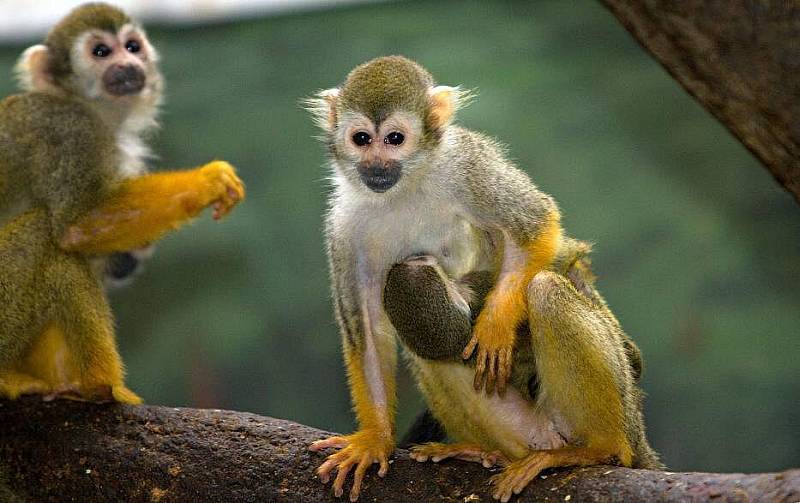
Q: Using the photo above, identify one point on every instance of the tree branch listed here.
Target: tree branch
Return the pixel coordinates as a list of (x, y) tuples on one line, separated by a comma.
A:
[(739, 60), (71, 451)]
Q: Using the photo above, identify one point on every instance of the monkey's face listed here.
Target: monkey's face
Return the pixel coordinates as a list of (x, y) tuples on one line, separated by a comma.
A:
[(377, 154), (117, 67)]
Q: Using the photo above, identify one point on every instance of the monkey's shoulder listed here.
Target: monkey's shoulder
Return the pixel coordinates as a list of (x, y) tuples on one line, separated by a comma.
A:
[(474, 145), (50, 115)]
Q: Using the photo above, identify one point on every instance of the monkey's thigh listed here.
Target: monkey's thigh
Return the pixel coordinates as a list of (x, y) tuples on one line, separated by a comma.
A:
[(43, 289), (23, 253), (580, 360)]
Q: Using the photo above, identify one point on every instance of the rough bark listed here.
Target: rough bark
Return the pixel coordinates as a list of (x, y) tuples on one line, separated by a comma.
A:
[(70, 451), (740, 59)]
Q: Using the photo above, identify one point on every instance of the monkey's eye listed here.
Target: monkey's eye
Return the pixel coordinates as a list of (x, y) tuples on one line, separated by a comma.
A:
[(394, 138), (133, 46), (101, 51), (361, 138)]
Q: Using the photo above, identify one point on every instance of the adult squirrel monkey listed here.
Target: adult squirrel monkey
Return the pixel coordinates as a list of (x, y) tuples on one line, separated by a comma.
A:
[(411, 187), (71, 163)]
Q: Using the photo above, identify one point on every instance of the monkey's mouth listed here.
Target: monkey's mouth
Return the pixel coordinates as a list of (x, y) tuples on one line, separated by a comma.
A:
[(380, 177), (124, 80)]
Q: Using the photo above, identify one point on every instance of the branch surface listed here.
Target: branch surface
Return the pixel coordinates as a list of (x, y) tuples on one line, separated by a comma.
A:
[(71, 451), (739, 60)]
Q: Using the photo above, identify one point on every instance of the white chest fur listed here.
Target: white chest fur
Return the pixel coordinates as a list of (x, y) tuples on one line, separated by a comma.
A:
[(385, 232), (132, 154)]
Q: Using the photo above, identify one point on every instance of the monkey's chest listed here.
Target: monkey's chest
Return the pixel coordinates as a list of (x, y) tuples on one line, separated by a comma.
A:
[(511, 424), (458, 245)]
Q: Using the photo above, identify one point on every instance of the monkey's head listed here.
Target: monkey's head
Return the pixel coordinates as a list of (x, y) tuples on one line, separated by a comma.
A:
[(385, 122), (96, 52)]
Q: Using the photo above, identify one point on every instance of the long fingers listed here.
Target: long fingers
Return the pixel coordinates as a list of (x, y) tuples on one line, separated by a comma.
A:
[(344, 469), (471, 345), (361, 469), (492, 370)]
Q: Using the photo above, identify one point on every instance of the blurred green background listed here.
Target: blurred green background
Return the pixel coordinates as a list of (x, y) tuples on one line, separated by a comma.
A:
[(697, 248)]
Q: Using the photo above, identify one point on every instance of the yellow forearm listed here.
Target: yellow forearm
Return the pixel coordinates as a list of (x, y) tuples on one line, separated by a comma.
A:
[(143, 209)]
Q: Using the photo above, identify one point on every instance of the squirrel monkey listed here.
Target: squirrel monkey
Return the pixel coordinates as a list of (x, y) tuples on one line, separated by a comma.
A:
[(408, 183), (71, 158)]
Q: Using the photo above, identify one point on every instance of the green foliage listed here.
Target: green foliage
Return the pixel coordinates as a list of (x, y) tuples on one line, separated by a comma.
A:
[(697, 247)]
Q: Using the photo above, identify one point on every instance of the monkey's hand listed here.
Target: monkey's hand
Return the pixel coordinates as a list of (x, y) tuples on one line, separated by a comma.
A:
[(361, 449), (493, 336), (223, 188)]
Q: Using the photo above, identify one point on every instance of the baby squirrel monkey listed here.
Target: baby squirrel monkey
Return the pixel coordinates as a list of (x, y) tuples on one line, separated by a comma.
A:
[(71, 154), (408, 183)]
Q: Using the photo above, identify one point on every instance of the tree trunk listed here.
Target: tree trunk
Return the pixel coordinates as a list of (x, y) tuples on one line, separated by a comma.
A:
[(740, 59), (71, 451)]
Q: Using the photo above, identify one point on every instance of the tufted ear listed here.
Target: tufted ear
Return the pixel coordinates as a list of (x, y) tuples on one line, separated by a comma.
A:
[(32, 69), (444, 102), (322, 107)]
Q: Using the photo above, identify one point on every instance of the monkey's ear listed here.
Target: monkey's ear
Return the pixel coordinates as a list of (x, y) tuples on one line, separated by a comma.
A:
[(322, 107), (33, 69), (444, 102)]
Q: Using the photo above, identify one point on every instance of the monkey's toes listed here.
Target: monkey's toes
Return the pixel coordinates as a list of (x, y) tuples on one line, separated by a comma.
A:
[(466, 452)]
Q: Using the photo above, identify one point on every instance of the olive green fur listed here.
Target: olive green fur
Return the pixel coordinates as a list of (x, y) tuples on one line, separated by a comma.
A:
[(39, 285), (383, 85), (56, 154), (431, 327), (59, 158), (62, 37)]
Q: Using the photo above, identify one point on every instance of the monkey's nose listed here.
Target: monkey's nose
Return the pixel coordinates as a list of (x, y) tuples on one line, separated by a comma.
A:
[(124, 80), (380, 176)]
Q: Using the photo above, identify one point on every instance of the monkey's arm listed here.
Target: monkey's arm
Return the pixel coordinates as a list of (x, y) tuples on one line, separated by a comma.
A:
[(143, 209), (370, 357), (528, 222)]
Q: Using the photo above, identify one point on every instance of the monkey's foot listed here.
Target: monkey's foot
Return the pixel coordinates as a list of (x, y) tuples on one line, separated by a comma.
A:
[(15, 384), (361, 449), (517, 475), (224, 189), (493, 336), (468, 452)]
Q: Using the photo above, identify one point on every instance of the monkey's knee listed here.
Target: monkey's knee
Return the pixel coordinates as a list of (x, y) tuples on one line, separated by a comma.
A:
[(549, 293), (419, 302)]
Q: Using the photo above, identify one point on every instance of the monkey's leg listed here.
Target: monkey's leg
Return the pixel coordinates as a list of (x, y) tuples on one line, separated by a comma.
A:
[(23, 249), (436, 452), (370, 354), (85, 319), (584, 378), (374, 440), (143, 209)]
